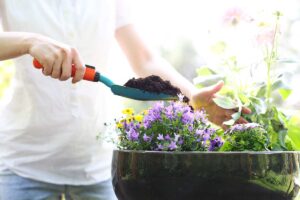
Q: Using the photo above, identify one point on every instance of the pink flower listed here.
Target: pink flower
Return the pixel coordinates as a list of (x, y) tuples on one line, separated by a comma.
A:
[(234, 16), (265, 36)]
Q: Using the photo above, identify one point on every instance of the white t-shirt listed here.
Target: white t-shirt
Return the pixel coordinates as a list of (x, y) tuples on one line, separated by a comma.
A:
[(48, 130)]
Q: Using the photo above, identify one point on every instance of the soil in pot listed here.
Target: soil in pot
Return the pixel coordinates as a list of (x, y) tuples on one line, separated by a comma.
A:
[(154, 84)]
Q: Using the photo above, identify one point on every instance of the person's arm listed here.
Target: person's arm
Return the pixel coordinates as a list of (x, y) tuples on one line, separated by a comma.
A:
[(144, 63), (55, 57)]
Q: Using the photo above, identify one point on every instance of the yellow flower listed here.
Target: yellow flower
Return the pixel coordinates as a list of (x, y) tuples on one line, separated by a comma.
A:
[(119, 125), (128, 111), (129, 119), (145, 112), (138, 118)]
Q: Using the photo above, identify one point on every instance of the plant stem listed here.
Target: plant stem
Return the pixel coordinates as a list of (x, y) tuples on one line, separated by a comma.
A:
[(271, 58), (268, 90)]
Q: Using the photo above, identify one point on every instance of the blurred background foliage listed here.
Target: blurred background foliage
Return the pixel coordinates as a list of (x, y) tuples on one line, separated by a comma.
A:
[(6, 74)]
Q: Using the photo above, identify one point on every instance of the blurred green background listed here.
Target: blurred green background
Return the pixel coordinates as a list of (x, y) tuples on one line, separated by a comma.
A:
[(6, 73)]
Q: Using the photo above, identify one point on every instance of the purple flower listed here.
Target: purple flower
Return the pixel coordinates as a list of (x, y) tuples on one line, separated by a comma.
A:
[(190, 127), (252, 125), (150, 118), (172, 146), (180, 141), (169, 112), (200, 116), (187, 118), (199, 132), (180, 97), (177, 107), (210, 131), (160, 137), (242, 127), (186, 109), (167, 137), (158, 107), (205, 137), (215, 143), (137, 126), (132, 135), (147, 124), (237, 127), (146, 138), (160, 147)]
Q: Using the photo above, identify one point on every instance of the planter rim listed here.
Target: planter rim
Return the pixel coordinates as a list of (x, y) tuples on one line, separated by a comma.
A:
[(205, 152)]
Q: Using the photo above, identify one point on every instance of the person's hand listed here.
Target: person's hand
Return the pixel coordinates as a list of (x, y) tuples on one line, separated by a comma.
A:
[(56, 58), (203, 98)]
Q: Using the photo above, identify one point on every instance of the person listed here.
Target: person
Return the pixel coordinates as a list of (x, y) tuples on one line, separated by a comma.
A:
[(48, 129)]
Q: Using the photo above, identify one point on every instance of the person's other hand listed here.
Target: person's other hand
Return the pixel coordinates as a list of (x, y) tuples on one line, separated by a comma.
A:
[(56, 58), (203, 98)]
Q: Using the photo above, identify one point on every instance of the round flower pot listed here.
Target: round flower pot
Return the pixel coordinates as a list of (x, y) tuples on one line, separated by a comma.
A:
[(143, 175)]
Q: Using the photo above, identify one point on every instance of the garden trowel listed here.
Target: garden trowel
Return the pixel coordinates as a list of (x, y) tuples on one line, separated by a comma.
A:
[(132, 93)]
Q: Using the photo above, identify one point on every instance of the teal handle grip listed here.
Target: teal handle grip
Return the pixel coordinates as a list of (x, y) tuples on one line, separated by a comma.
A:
[(106, 81)]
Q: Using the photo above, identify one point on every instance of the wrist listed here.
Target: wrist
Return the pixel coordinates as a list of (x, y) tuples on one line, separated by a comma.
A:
[(28, 41)]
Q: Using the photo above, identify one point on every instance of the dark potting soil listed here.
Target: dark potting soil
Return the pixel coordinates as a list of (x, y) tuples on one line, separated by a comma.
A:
[(154, 84)]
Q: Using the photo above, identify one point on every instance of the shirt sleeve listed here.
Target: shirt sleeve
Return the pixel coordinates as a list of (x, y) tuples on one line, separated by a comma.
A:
[(122, 13)]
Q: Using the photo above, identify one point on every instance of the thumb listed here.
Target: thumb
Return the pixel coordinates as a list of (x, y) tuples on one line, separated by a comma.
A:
[(215, 88)]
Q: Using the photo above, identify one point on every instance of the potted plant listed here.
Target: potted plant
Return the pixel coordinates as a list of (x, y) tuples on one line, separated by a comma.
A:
[(173, 152)]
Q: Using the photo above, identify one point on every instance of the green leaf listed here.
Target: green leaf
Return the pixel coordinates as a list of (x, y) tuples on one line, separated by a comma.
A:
[(261, 90), (244, 99), (229, 122), (287, 60), (225, 102), (294, 131), (236, 116), (284, 93), (205, 71), (281, 138), (278, 84), (259, 105), (219, 47)]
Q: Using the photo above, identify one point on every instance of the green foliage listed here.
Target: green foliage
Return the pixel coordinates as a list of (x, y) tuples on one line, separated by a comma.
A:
[(244, 138), (205, 71), (272, 119), (259, 95), (225, 102), (294, 132)]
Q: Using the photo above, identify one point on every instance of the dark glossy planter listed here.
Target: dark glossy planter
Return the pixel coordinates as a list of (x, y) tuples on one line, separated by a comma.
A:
[(145, 175)]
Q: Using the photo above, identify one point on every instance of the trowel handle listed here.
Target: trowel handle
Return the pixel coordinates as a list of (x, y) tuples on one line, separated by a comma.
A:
[(90, 73)]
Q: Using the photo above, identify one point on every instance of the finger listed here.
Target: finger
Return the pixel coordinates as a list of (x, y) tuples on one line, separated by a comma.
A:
[(246, 110), (241, 120), (56, 71), (228, 113), (80, 69), (66, 66), (224, 127), (48, 66), (215, 88), (218, 120)]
